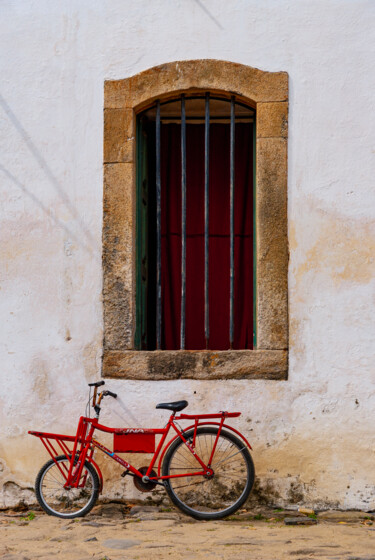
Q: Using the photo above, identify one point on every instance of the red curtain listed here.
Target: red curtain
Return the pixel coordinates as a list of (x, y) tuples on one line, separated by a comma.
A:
[(219, 237)]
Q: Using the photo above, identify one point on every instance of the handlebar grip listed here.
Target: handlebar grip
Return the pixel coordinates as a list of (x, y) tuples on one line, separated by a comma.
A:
[(97, 384), (114, 395)]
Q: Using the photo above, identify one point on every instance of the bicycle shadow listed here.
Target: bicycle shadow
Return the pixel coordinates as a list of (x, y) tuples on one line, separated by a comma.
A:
[(127, 416)]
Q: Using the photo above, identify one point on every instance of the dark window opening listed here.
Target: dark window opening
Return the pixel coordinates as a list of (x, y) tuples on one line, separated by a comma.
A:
[(205, 320)]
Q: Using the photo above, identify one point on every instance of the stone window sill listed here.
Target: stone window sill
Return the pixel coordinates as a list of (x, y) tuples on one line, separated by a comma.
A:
[(203, 364)]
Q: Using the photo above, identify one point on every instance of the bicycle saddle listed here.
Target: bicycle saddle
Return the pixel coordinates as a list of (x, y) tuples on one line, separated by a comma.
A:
[(175, 406)]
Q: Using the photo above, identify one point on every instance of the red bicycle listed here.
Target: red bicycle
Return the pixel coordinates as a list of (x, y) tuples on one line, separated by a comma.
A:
[(206, 468)]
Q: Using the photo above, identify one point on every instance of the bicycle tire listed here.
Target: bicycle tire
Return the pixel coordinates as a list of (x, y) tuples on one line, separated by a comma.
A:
[(226, 491), (55, 499)]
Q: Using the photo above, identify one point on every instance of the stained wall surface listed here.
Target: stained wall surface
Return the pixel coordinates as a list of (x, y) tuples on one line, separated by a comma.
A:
[(312, 434)]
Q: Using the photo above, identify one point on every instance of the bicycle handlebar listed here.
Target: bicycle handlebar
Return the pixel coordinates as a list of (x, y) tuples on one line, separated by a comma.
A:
[(95, 403), (97, 384)]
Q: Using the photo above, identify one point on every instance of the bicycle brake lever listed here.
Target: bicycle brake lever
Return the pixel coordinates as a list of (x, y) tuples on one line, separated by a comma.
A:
[(109, 394)]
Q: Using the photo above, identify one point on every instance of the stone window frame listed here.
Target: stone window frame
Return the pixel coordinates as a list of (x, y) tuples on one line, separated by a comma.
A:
[(267, 92)]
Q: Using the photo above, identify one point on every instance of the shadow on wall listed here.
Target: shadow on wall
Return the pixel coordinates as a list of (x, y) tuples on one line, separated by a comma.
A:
[(212, 17), (89, 245)]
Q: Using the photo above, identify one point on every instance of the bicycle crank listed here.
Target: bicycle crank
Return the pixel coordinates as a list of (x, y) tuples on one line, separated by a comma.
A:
[(144, 485)]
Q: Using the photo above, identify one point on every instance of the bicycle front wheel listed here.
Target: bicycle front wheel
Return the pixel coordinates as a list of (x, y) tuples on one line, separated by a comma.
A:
[(63, 502), (209, 497)]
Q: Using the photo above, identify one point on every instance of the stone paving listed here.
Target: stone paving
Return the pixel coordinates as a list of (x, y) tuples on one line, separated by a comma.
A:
[(115, 531)]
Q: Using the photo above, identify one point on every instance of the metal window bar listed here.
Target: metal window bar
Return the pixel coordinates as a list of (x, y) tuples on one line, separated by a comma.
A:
[(231, 289), (158, 230), (206, 219), (183, 221)]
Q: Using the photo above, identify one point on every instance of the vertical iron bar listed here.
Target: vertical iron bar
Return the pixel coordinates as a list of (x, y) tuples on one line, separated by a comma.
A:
[(231, 289), (254, 237), (183, 221), (206, 219), (158, 230)]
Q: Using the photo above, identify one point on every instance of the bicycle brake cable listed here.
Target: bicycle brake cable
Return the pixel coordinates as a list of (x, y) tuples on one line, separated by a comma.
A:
[(181, 428), (88, 406)]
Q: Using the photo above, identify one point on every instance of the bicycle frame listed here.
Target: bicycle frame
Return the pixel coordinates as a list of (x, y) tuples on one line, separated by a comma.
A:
[(84, 445)]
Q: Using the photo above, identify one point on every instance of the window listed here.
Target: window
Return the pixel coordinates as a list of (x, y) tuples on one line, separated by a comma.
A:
[(129, 228), (196, 151)]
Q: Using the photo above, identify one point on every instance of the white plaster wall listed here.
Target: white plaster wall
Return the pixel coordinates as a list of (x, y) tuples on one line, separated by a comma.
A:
[(313, 435)]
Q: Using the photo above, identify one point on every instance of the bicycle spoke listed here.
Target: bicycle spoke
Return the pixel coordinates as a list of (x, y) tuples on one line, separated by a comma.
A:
[(208, 452), (181, 469), (185, 465), (227, 459), (224, 453), (190, 484), (55, 479)]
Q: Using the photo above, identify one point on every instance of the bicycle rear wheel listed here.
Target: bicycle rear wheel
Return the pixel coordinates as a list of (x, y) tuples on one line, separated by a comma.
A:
[(63, 502), (209, 497)]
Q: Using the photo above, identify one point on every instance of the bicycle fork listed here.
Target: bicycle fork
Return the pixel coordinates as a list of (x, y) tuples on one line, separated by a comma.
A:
[(79, 454)]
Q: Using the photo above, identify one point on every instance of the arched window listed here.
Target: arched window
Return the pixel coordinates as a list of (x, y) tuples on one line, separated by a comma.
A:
[(195, 226)]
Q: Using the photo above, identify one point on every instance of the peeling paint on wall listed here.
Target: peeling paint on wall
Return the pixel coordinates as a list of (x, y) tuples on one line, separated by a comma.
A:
[(344, 249)]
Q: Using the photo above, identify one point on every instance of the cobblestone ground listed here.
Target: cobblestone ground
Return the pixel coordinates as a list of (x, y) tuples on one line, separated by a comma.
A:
[(114, 531)]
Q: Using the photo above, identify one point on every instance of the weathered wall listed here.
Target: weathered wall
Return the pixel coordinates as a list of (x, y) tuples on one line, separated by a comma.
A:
[(313, 434)]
